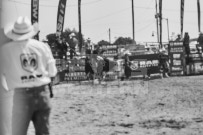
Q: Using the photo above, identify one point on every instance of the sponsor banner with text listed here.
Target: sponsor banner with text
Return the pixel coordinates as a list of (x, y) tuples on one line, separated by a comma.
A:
[(35, 14), (147, 63), (60, 16), (177, 58)]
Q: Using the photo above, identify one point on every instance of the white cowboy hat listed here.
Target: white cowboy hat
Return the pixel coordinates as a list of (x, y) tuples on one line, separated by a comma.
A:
[(99, 58), (22, 29), (72, 35), (163, 50), (127, 52)]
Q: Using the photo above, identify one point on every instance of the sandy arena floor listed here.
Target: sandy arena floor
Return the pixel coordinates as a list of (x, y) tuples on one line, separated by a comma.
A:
[(171, 106)]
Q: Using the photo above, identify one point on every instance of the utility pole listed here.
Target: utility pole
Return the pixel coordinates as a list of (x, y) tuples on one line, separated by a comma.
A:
[(109, 35), (157, 21), (199, 15), (160, 21), (133, 20), (79, 19), (168, 29)]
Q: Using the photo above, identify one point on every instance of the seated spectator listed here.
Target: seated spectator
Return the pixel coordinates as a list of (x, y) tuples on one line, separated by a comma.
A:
[(200, 38), (178, 38)]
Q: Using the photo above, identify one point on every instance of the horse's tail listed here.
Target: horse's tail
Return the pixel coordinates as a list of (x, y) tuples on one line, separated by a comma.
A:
[(94, 65)]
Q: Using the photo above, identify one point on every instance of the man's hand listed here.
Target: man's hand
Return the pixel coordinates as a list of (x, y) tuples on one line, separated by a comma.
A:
[(51, 95)]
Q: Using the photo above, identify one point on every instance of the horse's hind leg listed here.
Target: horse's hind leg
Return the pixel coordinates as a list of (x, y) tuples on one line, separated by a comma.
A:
[(88, 77), (100, 79), (93, 78)]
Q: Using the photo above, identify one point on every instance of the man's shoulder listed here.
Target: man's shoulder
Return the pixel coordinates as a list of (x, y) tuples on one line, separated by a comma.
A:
[(37, 43), (7, 45)]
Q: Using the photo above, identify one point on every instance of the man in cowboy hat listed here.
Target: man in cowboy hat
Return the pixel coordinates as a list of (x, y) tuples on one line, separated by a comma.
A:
[(73, 45), (200, 42), (27, 66), (127, 63), (163, 62)]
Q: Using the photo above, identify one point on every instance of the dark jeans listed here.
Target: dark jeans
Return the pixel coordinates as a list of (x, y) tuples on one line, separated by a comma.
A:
[(72, 53), (31, 104), (127, 71), (199, 47), (164, 67)]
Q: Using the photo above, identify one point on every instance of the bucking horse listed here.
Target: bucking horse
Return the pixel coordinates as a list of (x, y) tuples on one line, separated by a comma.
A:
[(96, 67)]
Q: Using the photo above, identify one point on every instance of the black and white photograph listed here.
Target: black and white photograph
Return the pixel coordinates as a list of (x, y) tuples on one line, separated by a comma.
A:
[(101, 67)]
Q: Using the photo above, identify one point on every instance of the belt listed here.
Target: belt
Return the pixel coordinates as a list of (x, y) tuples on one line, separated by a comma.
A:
[(33, 88)]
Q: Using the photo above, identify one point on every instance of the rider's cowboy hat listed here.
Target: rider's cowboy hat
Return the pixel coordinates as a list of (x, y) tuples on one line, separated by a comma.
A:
[(72, 35), (163, 50), (127, 52), (22, 29)]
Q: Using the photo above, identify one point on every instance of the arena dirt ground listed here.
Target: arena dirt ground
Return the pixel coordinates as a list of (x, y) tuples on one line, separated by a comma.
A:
[(169, 106)]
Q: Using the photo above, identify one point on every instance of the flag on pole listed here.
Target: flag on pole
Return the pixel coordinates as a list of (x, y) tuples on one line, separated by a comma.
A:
[(35, 14), (60, 17), (160, 23), (181, 17), (199, 16)]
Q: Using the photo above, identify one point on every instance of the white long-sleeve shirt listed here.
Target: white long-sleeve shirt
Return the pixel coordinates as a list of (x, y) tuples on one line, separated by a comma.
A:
[(27, 63)]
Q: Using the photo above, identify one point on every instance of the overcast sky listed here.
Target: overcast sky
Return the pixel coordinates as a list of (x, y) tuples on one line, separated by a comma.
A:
[(98, 16)]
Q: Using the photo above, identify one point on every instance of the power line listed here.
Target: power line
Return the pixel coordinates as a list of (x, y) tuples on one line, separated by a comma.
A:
[(118, 33), (144, 27), (16, 8), (188, 23), (138, 30), (99, 18), (96, 1), (172, 10), (113, 13), (108, 15), (44, 5), (120, 22), (148, 5)]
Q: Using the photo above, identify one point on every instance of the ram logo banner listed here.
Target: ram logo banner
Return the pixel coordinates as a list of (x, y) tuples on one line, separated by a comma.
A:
[(199, 16), (35, 13), (60, 16), (181, 16)]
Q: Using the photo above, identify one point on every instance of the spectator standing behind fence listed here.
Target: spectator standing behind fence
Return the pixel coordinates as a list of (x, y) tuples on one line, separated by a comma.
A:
[(178, 38), (186, 42), (72, 44), (88, 50), (65, 46), (62, 46), (163, 63), (200, 41), (27, 65), (127, 64)]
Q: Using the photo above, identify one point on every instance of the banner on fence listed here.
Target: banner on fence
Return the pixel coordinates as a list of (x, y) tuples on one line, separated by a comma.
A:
[(177, 58), (76, 70), (110, 50), (145, 63)]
